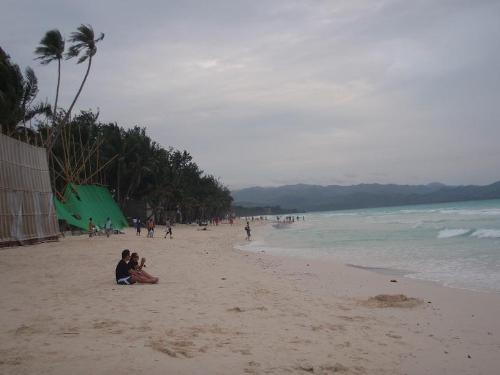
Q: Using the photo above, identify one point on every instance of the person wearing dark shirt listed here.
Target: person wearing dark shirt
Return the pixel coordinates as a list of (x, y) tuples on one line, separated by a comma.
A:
[(138, 227), (168, 228), (247, 229), (123, 276), (126, 273)]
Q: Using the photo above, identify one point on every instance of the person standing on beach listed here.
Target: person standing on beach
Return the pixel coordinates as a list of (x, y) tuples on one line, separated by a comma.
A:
[(91, 227), (138, 227), (151, 228), (247, 229), (108, 227), (168, 229)]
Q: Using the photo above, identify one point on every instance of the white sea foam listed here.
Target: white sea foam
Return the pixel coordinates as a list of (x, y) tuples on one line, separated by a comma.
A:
[(480, 212), (454, 211), (455, 245), (486, 233), (448, 233)]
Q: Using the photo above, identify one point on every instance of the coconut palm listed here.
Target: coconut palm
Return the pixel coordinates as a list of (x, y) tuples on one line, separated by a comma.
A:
[(52, 48), (84, 47)]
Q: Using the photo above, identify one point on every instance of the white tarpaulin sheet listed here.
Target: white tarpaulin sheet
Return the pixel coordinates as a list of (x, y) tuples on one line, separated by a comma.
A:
[(26, 206)]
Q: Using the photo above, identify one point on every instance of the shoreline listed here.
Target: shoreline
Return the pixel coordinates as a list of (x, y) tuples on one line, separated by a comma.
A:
[(454, 317), (221, 310), (396, 272)]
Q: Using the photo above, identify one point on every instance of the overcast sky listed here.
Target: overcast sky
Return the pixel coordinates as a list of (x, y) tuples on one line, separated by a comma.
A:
[(281, 92)]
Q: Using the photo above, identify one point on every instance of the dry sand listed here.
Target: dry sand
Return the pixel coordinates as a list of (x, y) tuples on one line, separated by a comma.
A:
[(218, 310)]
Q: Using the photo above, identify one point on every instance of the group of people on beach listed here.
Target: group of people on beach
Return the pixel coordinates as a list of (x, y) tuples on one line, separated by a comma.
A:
[(108, 227), (150, 226), (129, 271)]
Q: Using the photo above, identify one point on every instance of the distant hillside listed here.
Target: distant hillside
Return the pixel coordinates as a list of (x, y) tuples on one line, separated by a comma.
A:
[(335, 197)]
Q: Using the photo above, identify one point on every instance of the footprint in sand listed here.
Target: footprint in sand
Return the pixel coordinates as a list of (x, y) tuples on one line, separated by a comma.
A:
[(395, 300), (252, 367), (238, 309), (175, 349), (25, 330), (393, 336), (104, 324)]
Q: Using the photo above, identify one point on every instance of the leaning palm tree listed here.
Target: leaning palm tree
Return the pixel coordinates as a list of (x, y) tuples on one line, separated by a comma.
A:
[(52, 48), (84, 43), (84, 47)]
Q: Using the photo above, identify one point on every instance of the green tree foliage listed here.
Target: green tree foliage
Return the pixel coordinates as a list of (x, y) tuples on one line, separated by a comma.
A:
[(127, 161), (137, 168), (17, 95)]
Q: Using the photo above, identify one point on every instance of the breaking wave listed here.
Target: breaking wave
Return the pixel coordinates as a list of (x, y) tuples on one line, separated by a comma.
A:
[(448, 233), (486, 233)]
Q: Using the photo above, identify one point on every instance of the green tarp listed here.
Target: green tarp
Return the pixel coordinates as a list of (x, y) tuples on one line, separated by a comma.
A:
[(82, 202)]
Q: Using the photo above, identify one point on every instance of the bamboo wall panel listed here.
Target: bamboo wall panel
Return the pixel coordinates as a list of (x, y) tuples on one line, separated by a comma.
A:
[(26, 207)]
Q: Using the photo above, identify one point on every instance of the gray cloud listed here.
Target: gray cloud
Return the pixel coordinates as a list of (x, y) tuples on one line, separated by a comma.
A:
[(291, 91)]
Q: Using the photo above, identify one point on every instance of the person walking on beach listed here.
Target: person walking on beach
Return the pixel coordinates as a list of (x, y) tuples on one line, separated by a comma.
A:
[(247, 229), (168, 229)]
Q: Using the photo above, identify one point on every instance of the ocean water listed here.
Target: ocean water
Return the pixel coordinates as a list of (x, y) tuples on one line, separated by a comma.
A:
[(455, 244)]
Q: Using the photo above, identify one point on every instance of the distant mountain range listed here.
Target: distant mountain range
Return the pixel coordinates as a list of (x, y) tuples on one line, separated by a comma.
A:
[(304, 197)]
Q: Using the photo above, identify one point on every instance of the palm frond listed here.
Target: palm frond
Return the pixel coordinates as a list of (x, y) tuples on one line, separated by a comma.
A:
[(83, 39), (30, 87), (38, 109), (51, 47), (82, 58)]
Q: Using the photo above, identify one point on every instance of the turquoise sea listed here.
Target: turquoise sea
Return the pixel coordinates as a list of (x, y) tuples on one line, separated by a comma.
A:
[(455, 244)]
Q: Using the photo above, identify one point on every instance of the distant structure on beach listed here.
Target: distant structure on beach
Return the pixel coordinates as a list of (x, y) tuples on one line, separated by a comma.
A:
[(27, 213)]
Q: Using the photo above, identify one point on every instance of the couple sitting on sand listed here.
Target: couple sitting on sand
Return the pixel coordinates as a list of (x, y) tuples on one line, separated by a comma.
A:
[(129, 271)]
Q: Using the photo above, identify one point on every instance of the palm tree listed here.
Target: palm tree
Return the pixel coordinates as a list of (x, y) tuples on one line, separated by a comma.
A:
[(27, 110), (52, 48), (84, 43), (17, 95)]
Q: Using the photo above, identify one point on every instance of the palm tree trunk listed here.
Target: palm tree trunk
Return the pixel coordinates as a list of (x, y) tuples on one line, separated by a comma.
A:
[(68, 114), (54, 116)]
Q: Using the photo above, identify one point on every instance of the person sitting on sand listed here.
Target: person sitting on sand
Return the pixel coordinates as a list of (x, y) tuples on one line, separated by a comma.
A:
[(136, 269), (125, 277)]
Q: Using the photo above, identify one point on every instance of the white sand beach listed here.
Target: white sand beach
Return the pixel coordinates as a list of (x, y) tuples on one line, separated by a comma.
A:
[(217, 310)]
